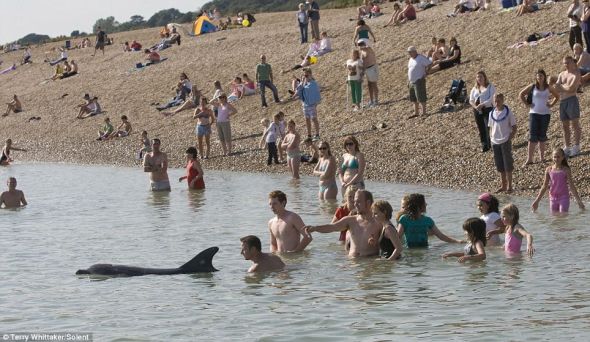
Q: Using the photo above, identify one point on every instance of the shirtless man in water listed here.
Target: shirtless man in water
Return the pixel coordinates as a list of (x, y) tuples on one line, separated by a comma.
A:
[(287, 233), (567, 85), (12, 198), (263, 262), (156, 163), (363, 227)]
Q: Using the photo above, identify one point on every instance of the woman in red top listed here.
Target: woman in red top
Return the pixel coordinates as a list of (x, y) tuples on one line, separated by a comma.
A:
[(346, 209), (194, 172)]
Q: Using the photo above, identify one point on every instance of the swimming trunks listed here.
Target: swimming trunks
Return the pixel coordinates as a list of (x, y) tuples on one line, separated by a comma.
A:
[(163, 185)]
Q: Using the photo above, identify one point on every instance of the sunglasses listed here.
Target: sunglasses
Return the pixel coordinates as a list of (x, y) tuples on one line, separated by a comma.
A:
[(323, 148)]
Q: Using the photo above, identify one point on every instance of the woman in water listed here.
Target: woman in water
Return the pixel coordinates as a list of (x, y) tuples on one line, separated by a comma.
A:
[(326, 169), (390, 245), (475, 229), (194, 171), (352, 169), (558, 178)]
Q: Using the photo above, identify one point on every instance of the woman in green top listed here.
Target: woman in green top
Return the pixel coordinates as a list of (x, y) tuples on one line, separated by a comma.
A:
[(415, 226), (362, 31)]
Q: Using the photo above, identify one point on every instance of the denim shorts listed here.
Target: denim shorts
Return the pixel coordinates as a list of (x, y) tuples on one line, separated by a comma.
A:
[(538, 125), (203, 130)]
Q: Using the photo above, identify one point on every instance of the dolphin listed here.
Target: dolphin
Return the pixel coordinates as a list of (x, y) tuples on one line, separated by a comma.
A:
[(201, 263)]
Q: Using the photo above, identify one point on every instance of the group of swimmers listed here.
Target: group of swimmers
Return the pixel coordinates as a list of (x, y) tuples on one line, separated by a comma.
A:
[(366, 229)]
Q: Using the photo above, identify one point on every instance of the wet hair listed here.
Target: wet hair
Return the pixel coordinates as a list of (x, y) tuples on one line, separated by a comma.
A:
[(485, 78), (476, 230), (278, 194), (541, 72), (564, 160), (360, 23), (192, 151), (415, 206), (328, 150), (384, 207), (123, 117), (351, 138), (510, 211), (252, 241), (403, 209), (367, 193)]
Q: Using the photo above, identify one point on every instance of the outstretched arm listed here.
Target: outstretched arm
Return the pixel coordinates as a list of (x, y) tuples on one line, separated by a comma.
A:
[(442, 236), (338, 226)]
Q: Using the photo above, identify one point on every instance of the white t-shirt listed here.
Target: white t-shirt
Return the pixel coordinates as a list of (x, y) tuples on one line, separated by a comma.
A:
[(501, 123), (486, 97), (354, 67), (272, 132), (490, 219), (540, 98), (417, 68), (326, 44)]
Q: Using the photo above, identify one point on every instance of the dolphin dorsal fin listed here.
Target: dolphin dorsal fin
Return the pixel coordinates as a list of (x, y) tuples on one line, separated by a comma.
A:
[(202, 262)]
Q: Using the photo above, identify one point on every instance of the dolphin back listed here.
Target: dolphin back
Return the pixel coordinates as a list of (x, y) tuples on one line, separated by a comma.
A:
[(201, 263)]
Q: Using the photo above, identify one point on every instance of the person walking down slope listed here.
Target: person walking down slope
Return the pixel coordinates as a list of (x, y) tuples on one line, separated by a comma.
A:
[(265, 79)]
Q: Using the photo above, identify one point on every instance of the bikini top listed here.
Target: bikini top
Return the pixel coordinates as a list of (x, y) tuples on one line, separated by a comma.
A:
[(469, 249), (351, 163)]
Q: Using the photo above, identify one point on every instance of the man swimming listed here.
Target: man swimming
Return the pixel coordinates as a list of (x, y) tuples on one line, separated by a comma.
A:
[(287, 233), (156, 163), (13, 198), (263, 262), (364, 229)]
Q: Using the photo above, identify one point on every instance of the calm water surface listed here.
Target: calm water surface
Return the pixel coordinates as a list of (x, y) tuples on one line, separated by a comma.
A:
[(82, 215)]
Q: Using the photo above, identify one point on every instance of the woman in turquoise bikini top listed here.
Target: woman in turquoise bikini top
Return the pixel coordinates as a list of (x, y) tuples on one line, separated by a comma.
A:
[(352, 168)]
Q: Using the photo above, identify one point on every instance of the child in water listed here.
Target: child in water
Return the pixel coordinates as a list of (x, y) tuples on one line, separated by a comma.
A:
[(488, 206), (514, 232), (475, 229), (390, 245), (346, 209), (557, 177), (415, 226)]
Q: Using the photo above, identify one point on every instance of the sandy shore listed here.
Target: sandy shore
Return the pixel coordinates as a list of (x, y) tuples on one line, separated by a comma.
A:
[(441, 149)]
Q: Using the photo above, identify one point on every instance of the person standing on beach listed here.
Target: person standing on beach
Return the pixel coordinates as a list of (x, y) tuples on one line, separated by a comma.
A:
[(567, 85), (370, 69), (303, 22), (13, 198), (287, 233), (101, 38), (418, 67), (364, 229), (263, 262), (156, 163), (502, 125), (313, 12), (308, 92), (264, 79)]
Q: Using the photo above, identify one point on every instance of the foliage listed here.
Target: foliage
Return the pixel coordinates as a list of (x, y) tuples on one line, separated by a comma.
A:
[(33, 38)]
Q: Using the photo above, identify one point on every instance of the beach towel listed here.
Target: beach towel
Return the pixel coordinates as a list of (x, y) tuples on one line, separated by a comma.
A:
[(6, 71)]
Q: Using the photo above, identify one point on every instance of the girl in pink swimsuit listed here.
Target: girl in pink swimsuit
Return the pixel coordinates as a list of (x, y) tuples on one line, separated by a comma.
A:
[(557, 177), (514, 232)]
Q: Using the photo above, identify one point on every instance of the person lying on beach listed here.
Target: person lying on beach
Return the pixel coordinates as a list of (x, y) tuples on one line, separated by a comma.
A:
[(183, 88), (305, 62), (263, 262), (13, 198), (62, 57), (73, 70), (465, 6), (105, 131), (124, 129), (189, 103), (5, 156), (14, 106), (152, 57)]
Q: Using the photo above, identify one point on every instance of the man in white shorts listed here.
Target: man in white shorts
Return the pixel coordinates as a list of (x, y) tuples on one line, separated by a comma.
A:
[(371, 70), (156, 163)]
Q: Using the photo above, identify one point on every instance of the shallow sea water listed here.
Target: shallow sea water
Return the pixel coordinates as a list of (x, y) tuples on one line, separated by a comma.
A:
[(82, 215)]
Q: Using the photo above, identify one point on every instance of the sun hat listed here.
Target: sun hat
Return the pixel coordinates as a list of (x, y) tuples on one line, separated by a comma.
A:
[(485, 197)]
